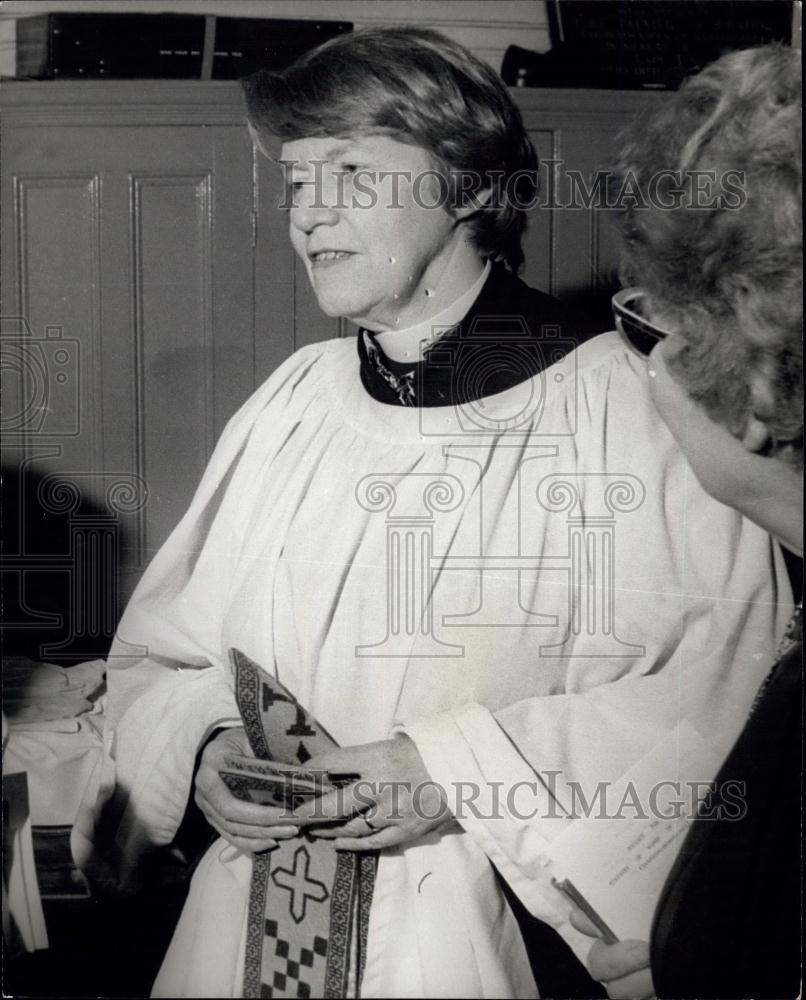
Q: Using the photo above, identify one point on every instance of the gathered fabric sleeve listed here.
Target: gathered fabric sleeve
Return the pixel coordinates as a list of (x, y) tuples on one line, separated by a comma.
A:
[(542, 752), (514, 776), (704, 591), (168, 683)]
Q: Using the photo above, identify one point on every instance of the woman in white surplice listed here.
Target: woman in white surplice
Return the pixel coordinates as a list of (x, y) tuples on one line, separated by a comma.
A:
[(470, 548)]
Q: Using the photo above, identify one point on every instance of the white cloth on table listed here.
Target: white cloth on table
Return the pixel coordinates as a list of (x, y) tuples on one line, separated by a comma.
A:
[(35, 691), (284, 554), (55, 724)]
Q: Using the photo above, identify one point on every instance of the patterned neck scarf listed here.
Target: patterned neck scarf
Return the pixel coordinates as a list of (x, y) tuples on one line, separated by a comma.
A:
[(509, 335)]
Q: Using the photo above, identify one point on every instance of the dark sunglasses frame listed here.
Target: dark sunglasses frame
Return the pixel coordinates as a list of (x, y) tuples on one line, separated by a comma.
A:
[(638, 332)]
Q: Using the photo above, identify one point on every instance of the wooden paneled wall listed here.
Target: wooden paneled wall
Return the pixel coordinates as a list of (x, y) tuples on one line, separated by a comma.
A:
[(148, 286)]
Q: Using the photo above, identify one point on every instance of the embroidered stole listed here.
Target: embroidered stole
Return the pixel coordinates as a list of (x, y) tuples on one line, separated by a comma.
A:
[(308, 903)]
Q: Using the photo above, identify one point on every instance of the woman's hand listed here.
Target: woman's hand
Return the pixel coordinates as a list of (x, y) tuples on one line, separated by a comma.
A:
[(623, 967), (246, 825), (395, 799)]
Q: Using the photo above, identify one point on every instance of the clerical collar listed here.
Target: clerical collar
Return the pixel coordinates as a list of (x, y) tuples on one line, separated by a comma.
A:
[(508, 335), (406, 346)]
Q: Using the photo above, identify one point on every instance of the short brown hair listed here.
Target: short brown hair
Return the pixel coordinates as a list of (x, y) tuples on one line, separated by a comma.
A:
[(419, 87)]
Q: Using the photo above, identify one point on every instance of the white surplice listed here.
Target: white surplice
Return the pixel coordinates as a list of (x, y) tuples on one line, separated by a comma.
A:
[(314, 494)]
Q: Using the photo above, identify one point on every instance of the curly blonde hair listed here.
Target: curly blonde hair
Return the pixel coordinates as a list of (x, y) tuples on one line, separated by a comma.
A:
[(727, 276)]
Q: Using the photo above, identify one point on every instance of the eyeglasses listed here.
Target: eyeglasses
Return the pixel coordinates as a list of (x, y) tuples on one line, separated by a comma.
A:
[(637, 331)]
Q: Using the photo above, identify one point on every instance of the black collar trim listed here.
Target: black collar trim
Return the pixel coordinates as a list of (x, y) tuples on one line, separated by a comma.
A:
[(509, 335)]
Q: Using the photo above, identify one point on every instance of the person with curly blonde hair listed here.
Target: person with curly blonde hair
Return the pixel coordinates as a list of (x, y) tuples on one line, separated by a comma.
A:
[(722, 287)]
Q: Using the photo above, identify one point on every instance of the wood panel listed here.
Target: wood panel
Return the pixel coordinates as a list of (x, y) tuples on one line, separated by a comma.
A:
[(58, 294), (576, 131), (172, 285), (135, 242), (275, 335), (144, 229)]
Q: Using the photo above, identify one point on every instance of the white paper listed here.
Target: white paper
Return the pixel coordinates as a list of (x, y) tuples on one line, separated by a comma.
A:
[(620, 855)]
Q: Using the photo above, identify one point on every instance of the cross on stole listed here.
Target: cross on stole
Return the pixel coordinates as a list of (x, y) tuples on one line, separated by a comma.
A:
[(301, 726), (299, 885), (270, 696)]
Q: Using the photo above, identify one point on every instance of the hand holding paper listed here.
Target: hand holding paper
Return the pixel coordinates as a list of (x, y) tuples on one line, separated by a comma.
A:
[(612, 863), (249, 826), (622, 966)]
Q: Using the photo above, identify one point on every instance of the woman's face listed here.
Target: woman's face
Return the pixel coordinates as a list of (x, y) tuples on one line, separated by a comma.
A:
[(764, 489), (361, 223)]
